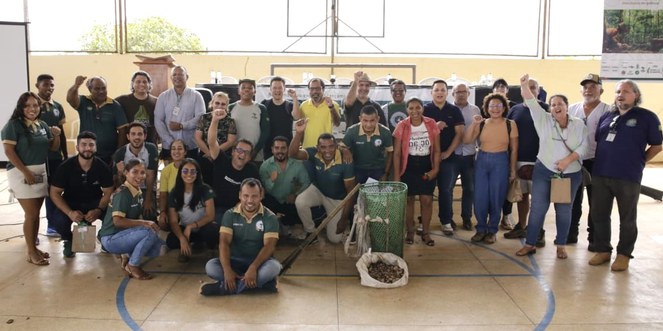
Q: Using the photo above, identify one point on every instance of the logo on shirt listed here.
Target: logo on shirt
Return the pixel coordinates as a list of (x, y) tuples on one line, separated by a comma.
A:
[(260, 226), (632, 123), (56, 112), (377, 142)]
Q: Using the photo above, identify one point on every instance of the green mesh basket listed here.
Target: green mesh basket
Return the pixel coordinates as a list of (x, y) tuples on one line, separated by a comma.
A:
[(386, 200)]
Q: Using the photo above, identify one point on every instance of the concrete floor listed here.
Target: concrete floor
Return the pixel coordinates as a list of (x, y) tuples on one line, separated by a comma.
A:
[(454, 285)]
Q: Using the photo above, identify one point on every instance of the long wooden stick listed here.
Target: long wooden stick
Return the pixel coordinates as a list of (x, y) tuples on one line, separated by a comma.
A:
[(290, 259)]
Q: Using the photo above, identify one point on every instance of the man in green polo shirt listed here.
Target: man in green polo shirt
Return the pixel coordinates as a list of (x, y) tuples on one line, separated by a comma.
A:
[(284, 179), (248, 236), (368, 144), (331, 180), (99, 114)]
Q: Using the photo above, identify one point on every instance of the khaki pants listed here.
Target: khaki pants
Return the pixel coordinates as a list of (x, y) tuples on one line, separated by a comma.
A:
[(312, 197)]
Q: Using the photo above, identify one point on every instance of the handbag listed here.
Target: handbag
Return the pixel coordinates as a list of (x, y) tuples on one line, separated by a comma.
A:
[(560, 189), (515, 193)]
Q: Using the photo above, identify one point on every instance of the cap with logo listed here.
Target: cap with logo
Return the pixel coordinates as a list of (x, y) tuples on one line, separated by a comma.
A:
[(594, 78)]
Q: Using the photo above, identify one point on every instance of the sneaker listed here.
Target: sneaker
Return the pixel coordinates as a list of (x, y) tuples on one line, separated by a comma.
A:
[(621, 263), (306, 234), (517, 232), (478, 237), (490, 238), (506, 222), (67, 252), (467, 225), (453, 225), (212, 289), (541, 239), (50, 232), (447, 230), (600, 258)]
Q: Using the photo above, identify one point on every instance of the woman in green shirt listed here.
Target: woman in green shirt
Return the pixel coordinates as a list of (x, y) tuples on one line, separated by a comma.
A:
[(124, 231), (26, 141)]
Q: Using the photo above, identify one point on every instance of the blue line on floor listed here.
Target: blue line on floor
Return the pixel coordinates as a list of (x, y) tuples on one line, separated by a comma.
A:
[(122, 308), (534, 271)]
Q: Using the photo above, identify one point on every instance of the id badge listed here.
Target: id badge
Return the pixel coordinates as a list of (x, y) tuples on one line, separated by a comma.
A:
[(610, 137), (176, 111)]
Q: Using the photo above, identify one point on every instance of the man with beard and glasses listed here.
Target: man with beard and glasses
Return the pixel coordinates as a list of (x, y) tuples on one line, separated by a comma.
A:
[(81, 189), (138, 148), (284, 179), (320, 111)]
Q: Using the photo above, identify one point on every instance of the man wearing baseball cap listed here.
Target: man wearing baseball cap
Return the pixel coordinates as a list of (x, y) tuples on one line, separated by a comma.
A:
[(590, 109), (357, 99)]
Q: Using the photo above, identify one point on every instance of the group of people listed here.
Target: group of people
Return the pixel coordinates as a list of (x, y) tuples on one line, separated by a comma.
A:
[(211, 192)]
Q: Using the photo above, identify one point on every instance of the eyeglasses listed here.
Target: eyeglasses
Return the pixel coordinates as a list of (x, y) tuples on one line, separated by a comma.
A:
[(318, 88), (496, 106), (241, 150), (613, 124), (462, 92), (187, 171), (222, 104)]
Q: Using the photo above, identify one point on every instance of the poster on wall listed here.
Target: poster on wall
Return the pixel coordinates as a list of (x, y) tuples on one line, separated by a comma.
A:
[(633, 39)]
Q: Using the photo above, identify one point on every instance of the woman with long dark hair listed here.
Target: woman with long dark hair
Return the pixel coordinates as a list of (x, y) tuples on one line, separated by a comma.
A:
[(168, 178), (124, 231), (26, 141), (191, 211)]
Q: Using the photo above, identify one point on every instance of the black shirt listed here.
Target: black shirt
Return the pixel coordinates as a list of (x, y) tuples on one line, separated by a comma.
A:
[(528, 139), (227, 180), (280, 122), (449, 114), (82, 190)]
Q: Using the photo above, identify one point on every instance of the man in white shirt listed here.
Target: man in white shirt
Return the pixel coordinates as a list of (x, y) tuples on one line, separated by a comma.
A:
[(590, 111)]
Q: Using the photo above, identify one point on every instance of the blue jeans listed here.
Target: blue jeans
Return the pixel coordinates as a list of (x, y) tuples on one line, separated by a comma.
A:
[(491, 181), (464, 166), (138, 241), (446, 179), (541, 202), (267, 271)]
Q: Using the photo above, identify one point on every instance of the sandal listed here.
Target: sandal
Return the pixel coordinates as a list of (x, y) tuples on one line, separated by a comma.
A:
[(137, 273), (409, 238), (44, 254), (39, 262), (561, 253), (526, 250), (425, 237)]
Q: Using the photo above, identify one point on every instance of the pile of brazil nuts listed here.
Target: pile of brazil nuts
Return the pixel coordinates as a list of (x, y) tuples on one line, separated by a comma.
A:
[(385, 273)]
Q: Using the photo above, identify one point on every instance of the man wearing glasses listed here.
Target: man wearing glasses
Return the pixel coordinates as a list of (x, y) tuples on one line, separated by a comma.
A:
[(590, 110), (395, 111), (231, 171), (464, 162), (81, 189), (321, 112), (627, 137)]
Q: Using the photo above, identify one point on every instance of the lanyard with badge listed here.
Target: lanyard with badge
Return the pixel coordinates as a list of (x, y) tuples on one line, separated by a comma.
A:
[(176, 110), (613, 130)]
